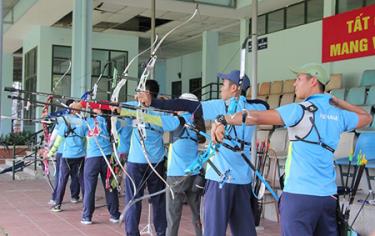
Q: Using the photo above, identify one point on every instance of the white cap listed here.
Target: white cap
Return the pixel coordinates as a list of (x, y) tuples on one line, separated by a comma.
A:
[(189, 96)]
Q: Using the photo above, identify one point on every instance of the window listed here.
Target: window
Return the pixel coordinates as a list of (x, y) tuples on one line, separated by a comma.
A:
[(176, 89), (17, 67), (347, 5), (295, 15), (369, 2), (305, 11), (276, 20), (261, 25), (314, 10), (61, 57), (30, 83), (221, 3), (195, 87), (100, 59)]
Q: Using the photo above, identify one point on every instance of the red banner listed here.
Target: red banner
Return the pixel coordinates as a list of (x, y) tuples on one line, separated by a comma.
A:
[(349, 35)]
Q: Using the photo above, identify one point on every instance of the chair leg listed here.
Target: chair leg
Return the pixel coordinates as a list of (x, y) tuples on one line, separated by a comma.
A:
[(341, 177), (354, 176), (277, 211), (369, 182)]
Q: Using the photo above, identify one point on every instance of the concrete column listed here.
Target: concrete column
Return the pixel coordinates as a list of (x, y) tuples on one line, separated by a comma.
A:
[(1, 59), (244, 32), (329, 8), (210, 54), (81, 47), (6, 103)]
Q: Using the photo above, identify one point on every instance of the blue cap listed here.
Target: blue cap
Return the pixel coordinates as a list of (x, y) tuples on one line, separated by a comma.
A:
[(234, 76)]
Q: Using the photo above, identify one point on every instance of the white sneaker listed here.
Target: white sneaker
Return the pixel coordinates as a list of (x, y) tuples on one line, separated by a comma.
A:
[(114, 220), (86, 221), (51, 202), (74, 200)]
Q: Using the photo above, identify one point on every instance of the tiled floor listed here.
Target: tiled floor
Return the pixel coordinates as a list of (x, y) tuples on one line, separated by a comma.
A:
[(24, 211)]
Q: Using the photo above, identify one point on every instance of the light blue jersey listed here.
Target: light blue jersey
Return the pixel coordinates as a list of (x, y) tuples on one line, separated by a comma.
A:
[(309, 167), (98, 138), (124, 130), (226, 159), (153, 143), (59, 121), (74, 145), (183, 149)]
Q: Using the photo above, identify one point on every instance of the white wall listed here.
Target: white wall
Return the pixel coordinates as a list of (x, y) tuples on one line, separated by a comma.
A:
[(286, 49), (190, 67)]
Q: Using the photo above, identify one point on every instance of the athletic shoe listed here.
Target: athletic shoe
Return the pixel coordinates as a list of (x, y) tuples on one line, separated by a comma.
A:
[(86, 221), (52, 202), (74, 200), (56, 208), (114, 220)]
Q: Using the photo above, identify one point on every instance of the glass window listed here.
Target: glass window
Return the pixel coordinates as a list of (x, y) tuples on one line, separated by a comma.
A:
[(100, 59), (347, 5), (119, 61), (60, 64), (370, 2), (17, 68), (295, 15), (30, 85), (261, 25), (314, 10), (275, 21)]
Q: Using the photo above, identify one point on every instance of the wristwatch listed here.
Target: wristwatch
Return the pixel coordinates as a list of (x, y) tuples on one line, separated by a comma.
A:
[(220, 119)]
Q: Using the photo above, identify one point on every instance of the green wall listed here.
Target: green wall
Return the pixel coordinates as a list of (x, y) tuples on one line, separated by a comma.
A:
[(6, 103)]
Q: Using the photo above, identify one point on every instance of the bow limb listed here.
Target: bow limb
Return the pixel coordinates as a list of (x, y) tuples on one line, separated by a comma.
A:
[(94, 89), (62, 77), (142, 87), (114, 99), (125, 74), (134, 201), (45, 125), (123, 168), (117, 158), (175, 28)]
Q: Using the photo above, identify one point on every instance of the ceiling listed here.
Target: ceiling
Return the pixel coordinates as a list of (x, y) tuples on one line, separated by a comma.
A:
[(109, 14), (8, 6)]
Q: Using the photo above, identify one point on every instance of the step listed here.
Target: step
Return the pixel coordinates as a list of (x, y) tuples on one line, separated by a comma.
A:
[(27, 172)]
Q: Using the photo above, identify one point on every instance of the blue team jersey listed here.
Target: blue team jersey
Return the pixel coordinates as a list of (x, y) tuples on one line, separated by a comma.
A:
[(153, 143), (124, 130), (226, 159), (309, 167), (183, 149), (98, 139), (59, 121), (74, 145)]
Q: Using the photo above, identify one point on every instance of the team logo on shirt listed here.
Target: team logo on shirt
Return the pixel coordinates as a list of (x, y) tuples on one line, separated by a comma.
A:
[(329, 117), (95, 131)]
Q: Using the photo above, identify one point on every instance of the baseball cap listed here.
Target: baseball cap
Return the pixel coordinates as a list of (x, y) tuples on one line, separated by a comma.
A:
[(189, 96), (234, 76), (313, 69)]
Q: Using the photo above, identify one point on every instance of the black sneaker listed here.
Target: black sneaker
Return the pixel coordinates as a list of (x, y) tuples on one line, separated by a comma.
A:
[(56, 208)]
